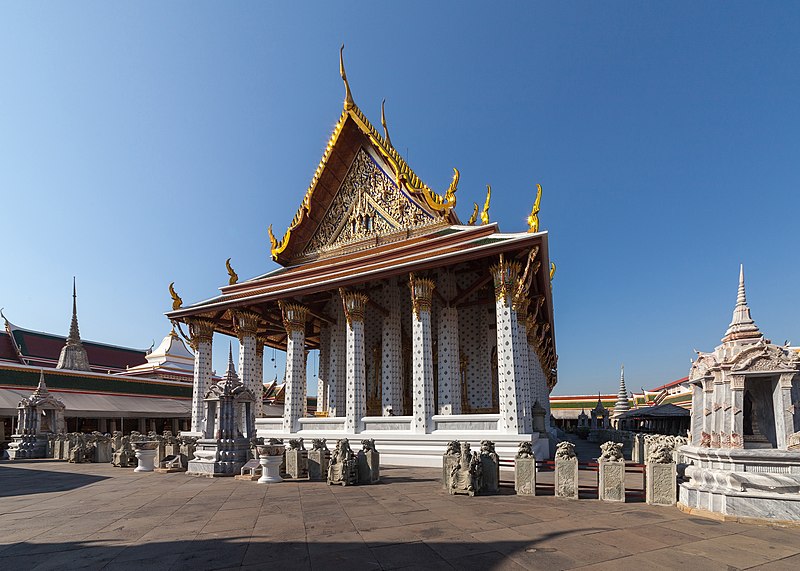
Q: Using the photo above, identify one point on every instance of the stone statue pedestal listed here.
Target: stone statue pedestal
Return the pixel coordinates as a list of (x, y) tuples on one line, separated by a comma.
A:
[(525, 476), (566, 478), (270, 457), (318, 465), (611, 487), (490, 465), (449, 461), (661, 484), (102, 453), (368, 466), (297, 463), (145, 455)]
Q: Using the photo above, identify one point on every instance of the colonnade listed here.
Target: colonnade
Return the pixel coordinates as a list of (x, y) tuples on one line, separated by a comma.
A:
[(342, 384)]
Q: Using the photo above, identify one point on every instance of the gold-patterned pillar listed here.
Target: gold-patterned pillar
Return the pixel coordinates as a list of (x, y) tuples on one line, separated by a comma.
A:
[(201, 333), (246, 323), (422, 357), (354, 304), (505, 274), (294, 320)]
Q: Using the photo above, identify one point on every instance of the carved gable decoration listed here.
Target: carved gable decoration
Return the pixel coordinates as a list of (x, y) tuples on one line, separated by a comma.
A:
[(764, 357), (700, 368), (368, 203)]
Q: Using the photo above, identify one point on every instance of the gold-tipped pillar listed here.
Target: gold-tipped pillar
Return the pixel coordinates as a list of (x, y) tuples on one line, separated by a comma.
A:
[(246, 323), (449, 361), (505, 274), (258, 381), (354, 304), (201, 333), (294, 320), (422, 358)]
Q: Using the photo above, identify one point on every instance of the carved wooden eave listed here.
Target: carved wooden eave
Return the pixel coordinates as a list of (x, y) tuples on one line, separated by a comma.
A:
[(401, 202)]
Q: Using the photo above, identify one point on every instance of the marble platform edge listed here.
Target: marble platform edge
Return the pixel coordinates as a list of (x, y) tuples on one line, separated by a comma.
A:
[(736, 519)]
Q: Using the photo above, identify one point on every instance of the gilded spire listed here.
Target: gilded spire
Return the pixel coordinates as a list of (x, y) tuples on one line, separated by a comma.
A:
[(474, 216), (533, 218), (622, 404), (73, 355), (177, 302), (742, 325), (348, 96)]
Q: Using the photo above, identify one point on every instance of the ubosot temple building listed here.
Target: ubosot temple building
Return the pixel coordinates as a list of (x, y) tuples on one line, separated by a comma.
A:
[(428, 329)]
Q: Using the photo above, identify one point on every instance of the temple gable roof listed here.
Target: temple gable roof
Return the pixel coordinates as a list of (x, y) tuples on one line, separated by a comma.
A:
[(361, 188)]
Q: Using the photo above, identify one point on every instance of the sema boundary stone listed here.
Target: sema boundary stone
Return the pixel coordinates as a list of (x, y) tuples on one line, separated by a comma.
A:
[(661, 484)]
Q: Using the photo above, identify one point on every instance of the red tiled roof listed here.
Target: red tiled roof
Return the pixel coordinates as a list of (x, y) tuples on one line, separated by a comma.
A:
[(7, 351), (43, 350), (670, 385)]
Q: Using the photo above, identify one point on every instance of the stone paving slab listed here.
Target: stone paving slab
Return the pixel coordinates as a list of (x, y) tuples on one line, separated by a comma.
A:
[(55, 515)]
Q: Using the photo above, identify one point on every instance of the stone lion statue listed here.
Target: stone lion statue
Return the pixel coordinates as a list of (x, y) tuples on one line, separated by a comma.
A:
[(525, 450), (368, 444), (319, 444), (453, 448), (611, 452), (660, 454), (565, 450), (296, 444)]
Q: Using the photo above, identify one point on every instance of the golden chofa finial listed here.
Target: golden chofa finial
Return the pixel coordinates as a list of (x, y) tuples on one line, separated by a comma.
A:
[(533, 219), (485, 211), (474, 216), (348, 96), (450, 195), (234, 277), (383, 122), (552, 270), (177, 302)]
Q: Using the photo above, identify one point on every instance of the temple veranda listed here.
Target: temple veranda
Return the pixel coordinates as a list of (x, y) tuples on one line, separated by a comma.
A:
[(428, 329)]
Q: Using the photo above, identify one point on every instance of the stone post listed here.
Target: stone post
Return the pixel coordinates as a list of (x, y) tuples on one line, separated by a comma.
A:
[(391, 354), (611, 486), (337, 361), (784, 409), (294, 320), (246, 328), (354, 304), (661, 477), (525, 471), (566, 476), (421, 300), (201, 332), (318, 458), (508, 343)]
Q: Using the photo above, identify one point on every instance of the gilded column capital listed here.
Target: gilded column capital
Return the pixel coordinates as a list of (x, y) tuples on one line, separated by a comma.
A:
[(354, 303), (505, 275), (421, 293), (246, 323), (294, 316), (520, 305), (200, 330), (261, 341)]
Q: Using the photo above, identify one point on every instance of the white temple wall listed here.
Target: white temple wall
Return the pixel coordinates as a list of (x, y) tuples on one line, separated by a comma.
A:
[(472, 326), (392, 353)]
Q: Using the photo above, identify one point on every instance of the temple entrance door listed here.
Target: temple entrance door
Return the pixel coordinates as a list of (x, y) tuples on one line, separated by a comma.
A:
[(758, 419)]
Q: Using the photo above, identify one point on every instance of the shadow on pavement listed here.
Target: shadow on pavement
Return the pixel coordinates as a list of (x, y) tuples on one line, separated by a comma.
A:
[(20, 482)]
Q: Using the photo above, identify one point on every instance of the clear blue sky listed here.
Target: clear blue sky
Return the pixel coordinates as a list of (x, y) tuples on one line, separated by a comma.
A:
[(146, 143)]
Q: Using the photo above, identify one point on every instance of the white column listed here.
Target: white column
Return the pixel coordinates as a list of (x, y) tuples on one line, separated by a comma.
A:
[(422, 358), (324, 362), (201, 332), (784, 409), (523, 372), (258, 379), (505, 278), (337, 361), (356, 404), (449, 362), (246, 328), (391, 354), (708, 407), (294, 320), (697, 413)]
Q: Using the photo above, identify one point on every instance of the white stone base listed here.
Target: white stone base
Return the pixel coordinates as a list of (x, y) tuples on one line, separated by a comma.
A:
[(405, 448)]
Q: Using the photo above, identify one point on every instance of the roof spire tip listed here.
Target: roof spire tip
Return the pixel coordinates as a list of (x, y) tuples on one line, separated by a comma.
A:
[(348, 95)]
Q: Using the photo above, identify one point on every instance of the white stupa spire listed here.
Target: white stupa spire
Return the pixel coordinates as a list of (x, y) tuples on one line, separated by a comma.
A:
[(742, 325), (622, 404)]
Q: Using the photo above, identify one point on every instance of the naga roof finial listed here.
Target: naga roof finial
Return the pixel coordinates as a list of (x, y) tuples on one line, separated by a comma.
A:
[(474, 216), (383, 122), (485, 211), (533, 219), (348, 95), (234, 277), (552, 270), (177, 302)]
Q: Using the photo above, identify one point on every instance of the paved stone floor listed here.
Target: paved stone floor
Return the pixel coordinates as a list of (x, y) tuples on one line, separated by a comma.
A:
[(55, 515)]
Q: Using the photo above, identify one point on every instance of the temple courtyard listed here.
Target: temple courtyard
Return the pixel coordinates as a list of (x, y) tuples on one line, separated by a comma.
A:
[(55, 515)]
